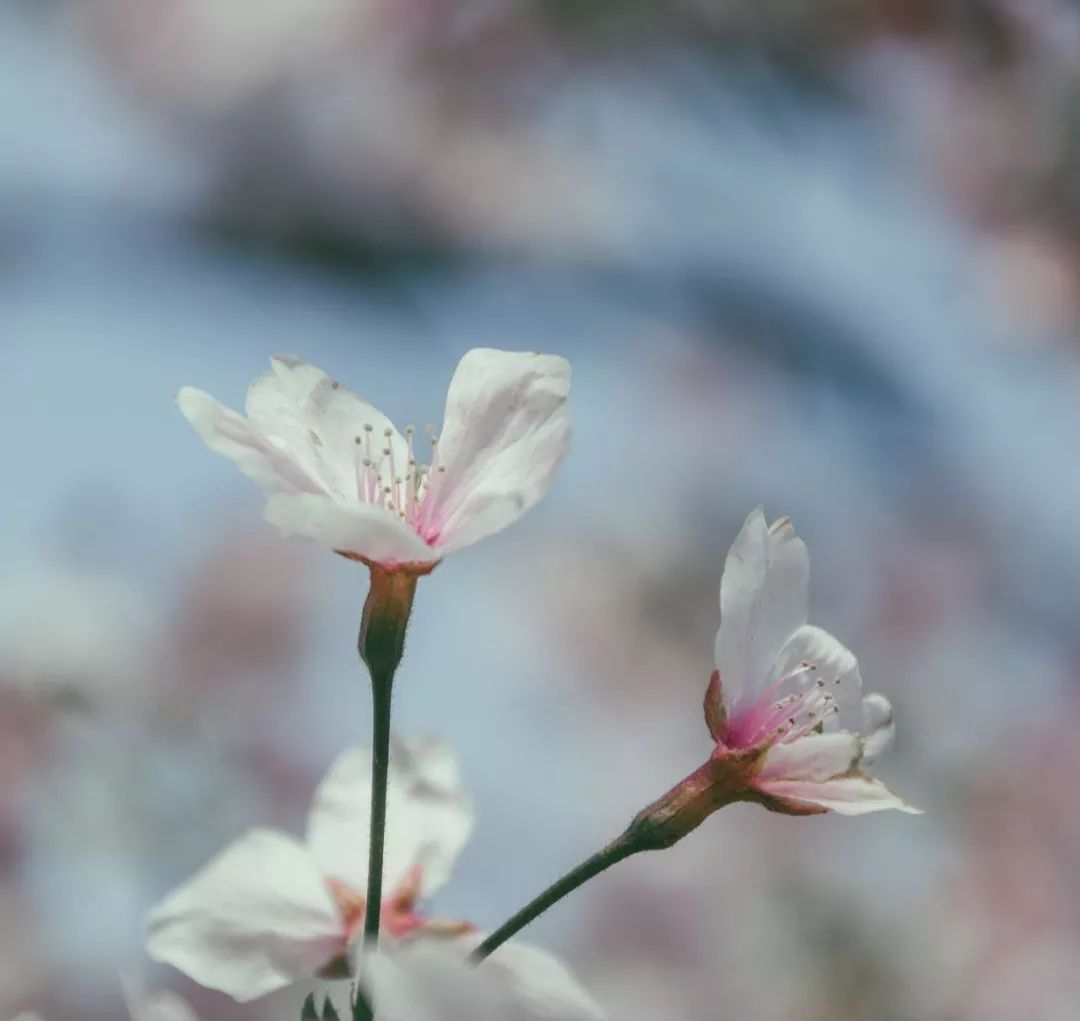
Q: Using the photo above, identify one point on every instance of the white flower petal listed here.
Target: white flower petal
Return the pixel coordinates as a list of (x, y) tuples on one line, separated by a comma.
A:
[(878, 727), (505, 433), (358, 528), (254, 919), (763, 599), (272, 467), (814, 757), (428, 982), (849, 795), (428, 818), (835, 665), (431, 981), (310, 411), (538, 982)]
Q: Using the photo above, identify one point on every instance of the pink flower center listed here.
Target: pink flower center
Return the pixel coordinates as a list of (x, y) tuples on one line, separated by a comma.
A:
[(794, 705), (399, 917), (398, 488)]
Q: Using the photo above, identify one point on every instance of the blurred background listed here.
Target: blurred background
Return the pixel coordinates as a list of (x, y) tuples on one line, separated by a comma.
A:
[(823, 257)]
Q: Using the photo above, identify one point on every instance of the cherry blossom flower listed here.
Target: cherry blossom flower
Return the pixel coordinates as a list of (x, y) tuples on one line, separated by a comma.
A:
[(334, 469), (786, 698), (793, 730), (270, 909)]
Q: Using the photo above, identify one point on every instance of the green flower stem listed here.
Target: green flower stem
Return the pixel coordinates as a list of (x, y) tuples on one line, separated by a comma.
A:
[(380, 771), (615, 852), (660, 825), (361, 1008), (381, 645)]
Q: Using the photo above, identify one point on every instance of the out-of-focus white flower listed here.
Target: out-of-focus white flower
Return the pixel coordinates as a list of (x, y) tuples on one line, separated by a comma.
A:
[(431, 982), (336, 470), (786, 697), (270, 909)]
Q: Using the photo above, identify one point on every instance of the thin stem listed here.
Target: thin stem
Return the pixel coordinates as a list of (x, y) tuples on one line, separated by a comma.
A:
[(381, 645), (615, 852), (380, 772), (657, 826)]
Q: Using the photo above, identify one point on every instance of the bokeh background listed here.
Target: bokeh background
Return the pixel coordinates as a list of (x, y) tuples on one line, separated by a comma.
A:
[(823, 257)]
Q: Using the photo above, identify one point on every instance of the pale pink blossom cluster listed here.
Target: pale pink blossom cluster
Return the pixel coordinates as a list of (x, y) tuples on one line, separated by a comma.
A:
[(791, 727), (381, 116)]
